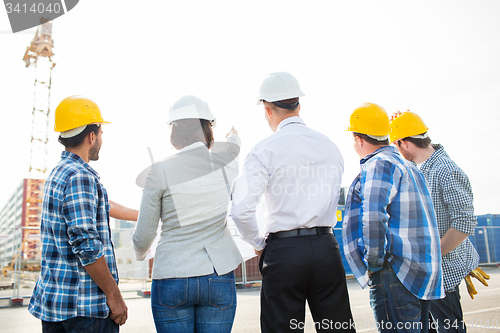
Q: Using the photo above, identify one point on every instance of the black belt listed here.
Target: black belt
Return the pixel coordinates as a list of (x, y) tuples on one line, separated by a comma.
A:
[(301, 232)]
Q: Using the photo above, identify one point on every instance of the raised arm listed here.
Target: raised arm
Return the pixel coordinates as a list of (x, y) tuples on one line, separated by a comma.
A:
[(120, 212)]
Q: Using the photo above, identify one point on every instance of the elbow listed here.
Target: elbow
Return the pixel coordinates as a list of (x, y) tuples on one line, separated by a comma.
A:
[(88, 252), (140, 248), (140, 253), (241, 216)]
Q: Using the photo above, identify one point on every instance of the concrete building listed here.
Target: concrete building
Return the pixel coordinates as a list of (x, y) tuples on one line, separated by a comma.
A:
[(121, 235), (20, 226)]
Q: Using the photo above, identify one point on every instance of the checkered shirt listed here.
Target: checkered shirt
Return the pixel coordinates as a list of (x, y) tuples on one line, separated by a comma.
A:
[(453, 201), (74, 233), (389, 216)]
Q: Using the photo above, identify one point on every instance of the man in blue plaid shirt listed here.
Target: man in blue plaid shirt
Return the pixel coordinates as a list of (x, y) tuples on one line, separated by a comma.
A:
[(453, 201), (77, 289), (391, 240)]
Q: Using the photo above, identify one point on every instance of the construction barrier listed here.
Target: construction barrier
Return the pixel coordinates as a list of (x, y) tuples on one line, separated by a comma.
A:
[(486, 238)]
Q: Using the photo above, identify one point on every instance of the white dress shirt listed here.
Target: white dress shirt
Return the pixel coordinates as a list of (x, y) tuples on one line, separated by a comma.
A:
[(299, 171)]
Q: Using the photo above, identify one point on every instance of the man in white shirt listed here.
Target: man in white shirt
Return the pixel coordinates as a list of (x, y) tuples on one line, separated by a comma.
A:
[(299, 171)]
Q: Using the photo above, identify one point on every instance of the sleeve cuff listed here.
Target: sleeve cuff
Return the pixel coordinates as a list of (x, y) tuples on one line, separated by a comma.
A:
[(86, 259)]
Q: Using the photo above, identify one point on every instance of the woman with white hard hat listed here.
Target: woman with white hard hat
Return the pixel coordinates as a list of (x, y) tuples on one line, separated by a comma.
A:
[(193, 287)]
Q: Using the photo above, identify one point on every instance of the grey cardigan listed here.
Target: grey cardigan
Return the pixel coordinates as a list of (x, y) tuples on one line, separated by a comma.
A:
[(190, 193)]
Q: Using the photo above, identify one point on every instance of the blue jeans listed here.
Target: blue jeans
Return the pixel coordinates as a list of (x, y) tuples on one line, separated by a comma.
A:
[(394, 307), (447, 313), (204, 304), (81, 325)]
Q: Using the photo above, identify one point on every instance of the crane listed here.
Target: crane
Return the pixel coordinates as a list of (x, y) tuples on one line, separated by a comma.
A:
[(39, 55)]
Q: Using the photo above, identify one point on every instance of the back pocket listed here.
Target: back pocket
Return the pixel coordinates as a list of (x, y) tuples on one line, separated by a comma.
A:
[(221, 292), (173, 292)]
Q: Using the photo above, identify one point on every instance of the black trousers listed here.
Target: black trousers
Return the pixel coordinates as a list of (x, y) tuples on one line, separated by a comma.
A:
[(297, 269)]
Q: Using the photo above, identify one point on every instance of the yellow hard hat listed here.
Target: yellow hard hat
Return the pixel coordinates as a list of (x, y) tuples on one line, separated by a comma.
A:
[(406, 124), (76, 111), (369, 119)]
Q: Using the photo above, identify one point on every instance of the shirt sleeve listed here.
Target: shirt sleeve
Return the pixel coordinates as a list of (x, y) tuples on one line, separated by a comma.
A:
[(233, 144), (248, 190), (458, 198), (226, 155), (377, 192), (149, 214), (80, 212)]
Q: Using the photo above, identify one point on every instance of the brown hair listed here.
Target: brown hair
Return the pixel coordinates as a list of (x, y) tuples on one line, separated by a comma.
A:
[(420, 143), (77, 140), (371, 140), (188, 131)]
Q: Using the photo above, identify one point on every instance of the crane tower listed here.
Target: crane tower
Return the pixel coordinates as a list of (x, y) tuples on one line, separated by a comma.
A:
[(38, 55)]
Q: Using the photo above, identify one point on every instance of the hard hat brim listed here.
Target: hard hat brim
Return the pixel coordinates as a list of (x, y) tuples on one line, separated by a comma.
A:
[(281, 98)]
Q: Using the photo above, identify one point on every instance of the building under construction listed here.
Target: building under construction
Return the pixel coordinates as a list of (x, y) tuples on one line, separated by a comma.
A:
[(20, 228), (20, 215)]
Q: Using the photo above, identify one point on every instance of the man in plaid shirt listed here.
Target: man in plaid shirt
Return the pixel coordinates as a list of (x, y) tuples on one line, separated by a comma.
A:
[(453, 202), (391, 241), (78, 284)]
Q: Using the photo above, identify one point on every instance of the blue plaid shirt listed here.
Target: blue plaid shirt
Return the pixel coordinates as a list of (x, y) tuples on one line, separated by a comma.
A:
[(453, 201), (74, 233), (389, 216)]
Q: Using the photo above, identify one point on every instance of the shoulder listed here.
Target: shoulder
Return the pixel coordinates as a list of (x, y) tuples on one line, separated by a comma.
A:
[(384, 157), (382, 166), (266, 146), (295, 134), (387, 167), (81, 180), (67, 171), (444, 168)]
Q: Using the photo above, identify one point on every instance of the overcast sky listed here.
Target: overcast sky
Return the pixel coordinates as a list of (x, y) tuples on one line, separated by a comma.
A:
[(439, 59)]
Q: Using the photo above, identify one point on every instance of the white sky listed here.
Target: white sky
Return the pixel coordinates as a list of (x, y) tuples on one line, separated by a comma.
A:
[(135, 59)]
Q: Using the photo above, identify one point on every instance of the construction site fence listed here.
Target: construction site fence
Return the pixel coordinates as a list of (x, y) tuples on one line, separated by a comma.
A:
[(19, 272)]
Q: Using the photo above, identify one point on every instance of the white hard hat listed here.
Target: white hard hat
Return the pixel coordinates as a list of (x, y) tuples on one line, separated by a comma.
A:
[(190, 107), (279, 86)]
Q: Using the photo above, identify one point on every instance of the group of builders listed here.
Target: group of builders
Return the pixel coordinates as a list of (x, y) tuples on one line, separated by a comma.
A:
[(408, 215)]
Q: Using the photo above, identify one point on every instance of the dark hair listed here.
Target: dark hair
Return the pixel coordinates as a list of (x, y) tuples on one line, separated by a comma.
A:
[(78, 139), (420, 143), (372, 141), (188, 131), (277, 109)]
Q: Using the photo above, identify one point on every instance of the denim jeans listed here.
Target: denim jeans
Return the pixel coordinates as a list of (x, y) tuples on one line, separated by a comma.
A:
[(447, 313), (81, 325), (394, 307), (204, 304)]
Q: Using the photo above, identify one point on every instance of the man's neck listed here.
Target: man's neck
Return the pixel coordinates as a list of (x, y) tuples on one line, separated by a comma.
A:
[(370, 149), (280, 119), (81, 152), (423, 154)]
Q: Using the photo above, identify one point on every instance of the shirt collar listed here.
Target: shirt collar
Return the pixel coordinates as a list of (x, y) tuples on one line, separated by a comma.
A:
[(388, 149), (438, 152), (78, 160), (290, 120)]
